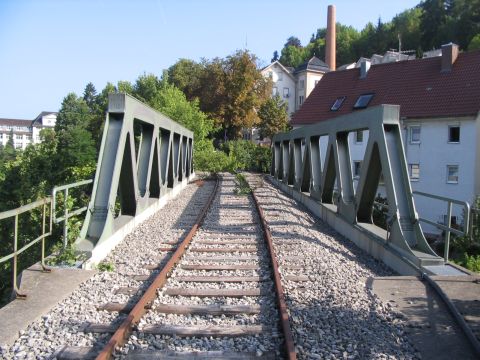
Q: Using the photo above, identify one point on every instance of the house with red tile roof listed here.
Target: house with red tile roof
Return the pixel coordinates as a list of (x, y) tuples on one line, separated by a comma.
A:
[(439, 100)]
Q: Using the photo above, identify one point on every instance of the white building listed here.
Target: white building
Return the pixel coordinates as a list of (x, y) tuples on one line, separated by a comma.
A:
[(294, 85), (26, 132), (440, 116)]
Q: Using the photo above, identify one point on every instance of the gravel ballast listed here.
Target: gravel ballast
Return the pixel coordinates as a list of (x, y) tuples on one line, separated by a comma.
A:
[(334, 315), (62, 325)]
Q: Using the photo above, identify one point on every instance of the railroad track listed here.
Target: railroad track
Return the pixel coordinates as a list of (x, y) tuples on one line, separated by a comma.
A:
[(218, 296)]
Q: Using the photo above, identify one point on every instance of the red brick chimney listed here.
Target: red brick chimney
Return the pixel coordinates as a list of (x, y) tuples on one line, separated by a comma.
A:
[(449, 56), (330, 53)]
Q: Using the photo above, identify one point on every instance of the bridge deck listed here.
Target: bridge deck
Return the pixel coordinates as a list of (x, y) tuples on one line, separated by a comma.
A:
[(333, 312)]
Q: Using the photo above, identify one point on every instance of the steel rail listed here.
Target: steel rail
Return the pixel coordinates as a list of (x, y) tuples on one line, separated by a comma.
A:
[(282, 305), (467, 330), (123, 332)]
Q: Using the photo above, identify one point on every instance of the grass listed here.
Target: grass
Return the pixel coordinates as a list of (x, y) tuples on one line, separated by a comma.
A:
[(242, 186)]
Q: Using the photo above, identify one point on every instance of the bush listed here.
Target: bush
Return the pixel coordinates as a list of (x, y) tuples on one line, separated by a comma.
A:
[(233, 156), (207, 158), (248, 156)]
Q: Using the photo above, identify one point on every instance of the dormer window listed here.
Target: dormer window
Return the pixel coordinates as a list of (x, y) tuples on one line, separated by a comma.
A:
[(338, 103), (363, 101)]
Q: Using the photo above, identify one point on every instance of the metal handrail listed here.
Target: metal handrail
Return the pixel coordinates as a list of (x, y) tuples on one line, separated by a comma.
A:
[(66, 213), (15, 214), (448, 227)]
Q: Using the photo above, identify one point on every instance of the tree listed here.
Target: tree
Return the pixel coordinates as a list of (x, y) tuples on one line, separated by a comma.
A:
[(76, 147), (407, 25), (245, 90), (275, 56), (293, 41), (186, 74), (274, 117), (73, 112), (293, 56), (433, 20), (466, 21), (90, 96), (474, 43)]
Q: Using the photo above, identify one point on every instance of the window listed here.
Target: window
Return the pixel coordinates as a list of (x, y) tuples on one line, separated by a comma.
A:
[(7, 136), (301, 84), (453, 220), (414, 170), (286, 92), (454, 134), (363, 101), (357, 165), (338, 103), (300, 100), (270, 74), (452, 174), (18, 146), (280, 76), (275, 91), (29, 137), (359, 136), (414, 134), (18, 137)]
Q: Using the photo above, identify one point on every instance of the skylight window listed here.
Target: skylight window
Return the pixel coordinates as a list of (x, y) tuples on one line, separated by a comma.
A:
[(363, 101), (338, 103)]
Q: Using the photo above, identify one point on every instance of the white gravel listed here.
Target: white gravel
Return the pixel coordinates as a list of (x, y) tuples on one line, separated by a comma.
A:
[(60, 326), (334, 315)]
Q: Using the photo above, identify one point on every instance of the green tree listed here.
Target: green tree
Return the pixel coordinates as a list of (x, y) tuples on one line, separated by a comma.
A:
[(474, 43), (466, 21), (275, 56), (245, 90), (293, 41), (433, 21), (407, 25), (186, 75), (293, 56), (76, 147), (90, 96), (274, 117), (74, 112)]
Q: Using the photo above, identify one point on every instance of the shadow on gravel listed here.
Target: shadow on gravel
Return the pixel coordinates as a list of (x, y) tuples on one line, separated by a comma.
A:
[(323, 328)]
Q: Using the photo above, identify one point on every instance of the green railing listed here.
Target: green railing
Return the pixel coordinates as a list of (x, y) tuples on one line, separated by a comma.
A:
[(448, 226), (15, 213), (44, 204), (66, 213)]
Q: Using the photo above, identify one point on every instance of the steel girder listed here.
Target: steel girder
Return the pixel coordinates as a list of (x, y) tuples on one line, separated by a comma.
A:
[(144, 155), (296, 161)]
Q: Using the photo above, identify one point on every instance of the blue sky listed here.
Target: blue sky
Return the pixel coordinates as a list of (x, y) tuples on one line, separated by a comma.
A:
[(49, 48)]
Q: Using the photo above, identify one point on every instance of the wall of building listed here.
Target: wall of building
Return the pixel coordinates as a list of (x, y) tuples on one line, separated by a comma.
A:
[(312, 79), (284, 85)]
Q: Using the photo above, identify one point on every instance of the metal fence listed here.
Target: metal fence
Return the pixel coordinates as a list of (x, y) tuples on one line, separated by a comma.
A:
[(48, 207)]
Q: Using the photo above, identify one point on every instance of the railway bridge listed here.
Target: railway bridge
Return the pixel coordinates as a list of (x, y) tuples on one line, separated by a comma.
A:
[(289, 265)]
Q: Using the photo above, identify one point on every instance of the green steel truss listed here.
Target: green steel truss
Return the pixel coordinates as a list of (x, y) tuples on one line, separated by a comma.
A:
[(144, 155), (296, 162)]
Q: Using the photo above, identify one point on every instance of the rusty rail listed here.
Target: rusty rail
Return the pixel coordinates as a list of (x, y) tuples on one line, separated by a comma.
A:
[(123, 332), (282, 305)]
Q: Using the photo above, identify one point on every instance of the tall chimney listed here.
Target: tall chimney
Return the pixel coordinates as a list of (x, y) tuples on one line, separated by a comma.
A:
[(330, 53)]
